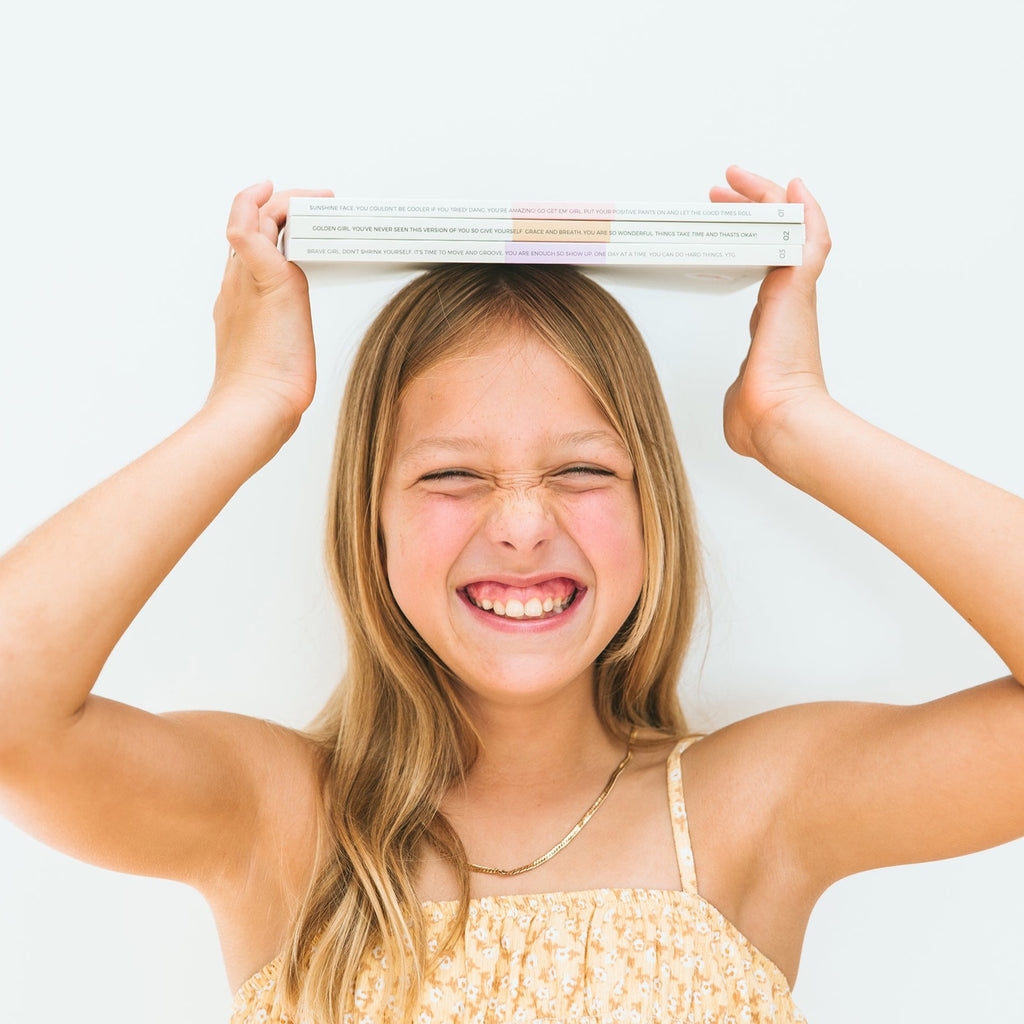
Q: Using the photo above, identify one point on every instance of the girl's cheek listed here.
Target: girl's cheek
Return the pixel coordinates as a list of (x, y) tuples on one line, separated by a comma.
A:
[(436, 527), (603, 515), (447, 524), (609, 529)]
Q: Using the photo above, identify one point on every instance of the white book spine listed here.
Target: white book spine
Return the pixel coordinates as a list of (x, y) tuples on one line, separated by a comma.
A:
[(767, 213), (502, 229), (311, 250)]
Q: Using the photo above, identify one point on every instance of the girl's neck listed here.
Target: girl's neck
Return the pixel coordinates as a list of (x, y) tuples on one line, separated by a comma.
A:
[(526, 747)]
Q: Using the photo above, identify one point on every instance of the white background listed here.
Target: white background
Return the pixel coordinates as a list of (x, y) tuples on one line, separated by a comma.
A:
[(129, 127)]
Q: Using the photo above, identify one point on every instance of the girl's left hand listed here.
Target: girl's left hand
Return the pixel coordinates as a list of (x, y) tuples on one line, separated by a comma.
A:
[(847, 787), (783, 365)]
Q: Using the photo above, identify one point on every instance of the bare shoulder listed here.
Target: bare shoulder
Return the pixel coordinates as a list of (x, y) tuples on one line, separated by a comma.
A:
[(783, 804), (841, 787)]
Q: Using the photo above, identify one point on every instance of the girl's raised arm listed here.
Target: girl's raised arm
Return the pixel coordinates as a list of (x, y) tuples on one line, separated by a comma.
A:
[(860, 786), (106, 782)]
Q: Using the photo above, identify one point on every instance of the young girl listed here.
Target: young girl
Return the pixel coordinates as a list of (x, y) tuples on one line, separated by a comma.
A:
[(500, 816)]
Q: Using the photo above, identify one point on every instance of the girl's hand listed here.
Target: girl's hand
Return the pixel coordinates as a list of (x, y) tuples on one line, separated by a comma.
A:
[(783, 366), (264, 331)]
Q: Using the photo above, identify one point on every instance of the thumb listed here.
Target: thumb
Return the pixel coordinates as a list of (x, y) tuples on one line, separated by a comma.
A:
[(818, 242)]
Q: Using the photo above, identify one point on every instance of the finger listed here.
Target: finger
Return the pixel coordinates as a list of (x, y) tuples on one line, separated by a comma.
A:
[(818, 242), (276, 206), (274, 212), (753, 187), (721, 194), (247, 241)]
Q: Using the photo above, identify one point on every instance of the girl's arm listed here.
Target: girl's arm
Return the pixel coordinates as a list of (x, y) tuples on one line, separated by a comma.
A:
[(111, 784), (858, 786), (957, 532)]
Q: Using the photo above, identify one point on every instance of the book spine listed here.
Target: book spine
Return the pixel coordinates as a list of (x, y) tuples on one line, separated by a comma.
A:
[(500, 229), (740, 213), (312, 250)]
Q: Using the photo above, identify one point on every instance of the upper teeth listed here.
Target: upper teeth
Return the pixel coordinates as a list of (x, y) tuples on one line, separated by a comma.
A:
[(533, 609)]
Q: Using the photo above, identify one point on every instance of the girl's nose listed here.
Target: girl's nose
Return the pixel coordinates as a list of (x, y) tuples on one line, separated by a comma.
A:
[(521, 519)]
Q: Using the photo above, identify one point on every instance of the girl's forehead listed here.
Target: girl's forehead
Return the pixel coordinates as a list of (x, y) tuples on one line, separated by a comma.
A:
[(510, 372), (509, 387), (494, 346)]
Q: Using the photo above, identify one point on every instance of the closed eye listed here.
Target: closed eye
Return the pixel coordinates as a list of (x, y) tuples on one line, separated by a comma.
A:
[(582, 479), (449, 474), (585, 471)]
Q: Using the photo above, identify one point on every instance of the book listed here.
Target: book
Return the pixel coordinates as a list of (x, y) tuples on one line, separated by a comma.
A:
[(314, 250), (504, 229), (741, 213), (709, 235)]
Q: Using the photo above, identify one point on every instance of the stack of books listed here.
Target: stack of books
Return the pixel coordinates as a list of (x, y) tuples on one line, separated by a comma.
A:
[(322, 230)]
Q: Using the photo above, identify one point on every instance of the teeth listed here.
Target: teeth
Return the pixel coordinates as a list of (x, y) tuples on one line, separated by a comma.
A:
[(532, 609)]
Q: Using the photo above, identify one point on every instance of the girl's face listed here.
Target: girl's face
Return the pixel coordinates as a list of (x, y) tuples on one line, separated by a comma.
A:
[(511, 519)]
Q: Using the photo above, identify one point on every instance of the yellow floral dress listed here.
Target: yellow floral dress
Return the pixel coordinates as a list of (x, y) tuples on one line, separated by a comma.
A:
[(603, 956)]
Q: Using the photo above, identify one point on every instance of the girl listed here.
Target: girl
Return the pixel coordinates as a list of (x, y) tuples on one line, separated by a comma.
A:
[(499, 815)]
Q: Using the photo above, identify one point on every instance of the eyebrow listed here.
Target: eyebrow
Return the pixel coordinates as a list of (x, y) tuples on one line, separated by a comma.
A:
[(459, 445)]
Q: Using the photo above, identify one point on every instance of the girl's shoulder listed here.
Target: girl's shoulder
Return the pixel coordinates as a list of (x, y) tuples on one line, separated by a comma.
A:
[(273, 842), (782, 804)]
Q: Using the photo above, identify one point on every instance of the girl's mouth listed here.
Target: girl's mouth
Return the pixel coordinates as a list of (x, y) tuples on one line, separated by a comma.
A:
[(538, 601)]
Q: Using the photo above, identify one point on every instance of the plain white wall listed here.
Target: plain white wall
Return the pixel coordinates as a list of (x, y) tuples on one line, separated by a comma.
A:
[(128, 129)]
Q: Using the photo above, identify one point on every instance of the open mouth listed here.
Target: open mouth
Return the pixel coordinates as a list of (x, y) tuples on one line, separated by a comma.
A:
[(538, 601)]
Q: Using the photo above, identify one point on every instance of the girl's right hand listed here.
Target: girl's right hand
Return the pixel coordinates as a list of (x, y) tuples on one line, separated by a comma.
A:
[(265, 352)]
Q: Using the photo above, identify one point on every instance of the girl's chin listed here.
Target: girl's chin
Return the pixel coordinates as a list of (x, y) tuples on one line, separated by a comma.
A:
[(524, 680), (516, 694)]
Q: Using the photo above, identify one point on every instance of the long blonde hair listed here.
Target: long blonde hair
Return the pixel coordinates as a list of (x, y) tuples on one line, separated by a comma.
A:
[(394, 737)]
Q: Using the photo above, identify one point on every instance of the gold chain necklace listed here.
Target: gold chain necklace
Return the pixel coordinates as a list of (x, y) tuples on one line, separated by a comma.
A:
[(573, 832)]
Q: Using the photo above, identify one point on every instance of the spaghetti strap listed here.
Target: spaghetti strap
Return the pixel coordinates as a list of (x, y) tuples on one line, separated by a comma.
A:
[(677, 807)]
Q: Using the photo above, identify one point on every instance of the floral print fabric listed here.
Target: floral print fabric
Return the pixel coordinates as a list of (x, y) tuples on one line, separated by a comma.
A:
[(605, 956)]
